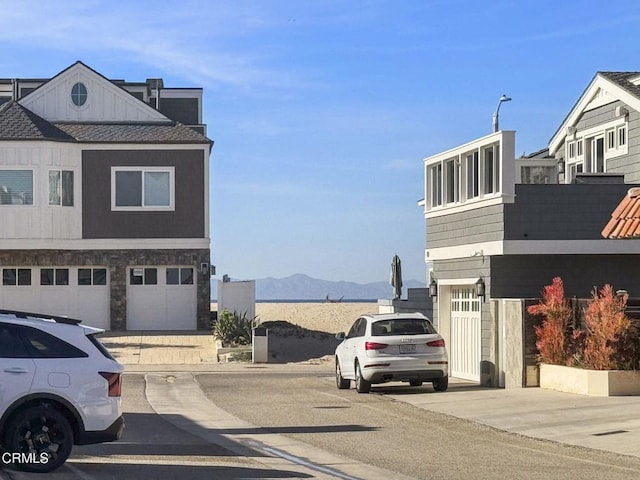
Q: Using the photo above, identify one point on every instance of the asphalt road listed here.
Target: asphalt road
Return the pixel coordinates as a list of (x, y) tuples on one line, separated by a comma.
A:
[(293, 409), (379, 431)]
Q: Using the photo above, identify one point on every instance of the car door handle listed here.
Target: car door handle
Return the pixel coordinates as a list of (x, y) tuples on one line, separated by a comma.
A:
[(16, 370)]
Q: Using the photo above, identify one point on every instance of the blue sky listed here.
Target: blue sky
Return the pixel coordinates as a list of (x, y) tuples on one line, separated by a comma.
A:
[(322, 111)]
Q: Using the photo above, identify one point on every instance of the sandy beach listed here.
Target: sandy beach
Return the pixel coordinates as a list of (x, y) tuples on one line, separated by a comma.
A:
[(321, 316), (305, 332)]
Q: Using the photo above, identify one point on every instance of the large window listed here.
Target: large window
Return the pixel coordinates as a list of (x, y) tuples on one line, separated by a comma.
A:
[(435, 182), (491, 170), (16, 187), (61, 188), (473, 175), (148, 188), (452, 174)]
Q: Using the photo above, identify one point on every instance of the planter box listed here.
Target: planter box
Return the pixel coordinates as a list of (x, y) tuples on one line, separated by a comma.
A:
[(597, 383), (225, 354)]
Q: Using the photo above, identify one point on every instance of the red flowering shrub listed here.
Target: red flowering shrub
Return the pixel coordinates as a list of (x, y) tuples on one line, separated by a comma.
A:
[(553, 335), (609, 344)]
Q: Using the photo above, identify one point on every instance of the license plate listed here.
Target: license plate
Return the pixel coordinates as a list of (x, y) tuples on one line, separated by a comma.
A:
[(407, 349)]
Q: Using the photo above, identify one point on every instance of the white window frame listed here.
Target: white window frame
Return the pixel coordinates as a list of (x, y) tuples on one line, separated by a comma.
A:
[(143, 170), (60, 193), (435, 183), (451, 189), (621, 136), (490, 177), (33, 187)]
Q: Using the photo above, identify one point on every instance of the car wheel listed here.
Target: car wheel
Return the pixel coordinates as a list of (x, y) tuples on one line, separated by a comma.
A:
[(415, 383), (341, 382), (362, 386), (44, 434), (441, 384)]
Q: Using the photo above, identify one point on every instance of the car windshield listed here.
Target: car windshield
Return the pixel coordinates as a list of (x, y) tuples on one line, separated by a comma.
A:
[(402, 326)]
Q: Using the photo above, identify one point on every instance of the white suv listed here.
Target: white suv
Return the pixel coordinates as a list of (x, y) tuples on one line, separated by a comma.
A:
[(393, 347), (59, 386)]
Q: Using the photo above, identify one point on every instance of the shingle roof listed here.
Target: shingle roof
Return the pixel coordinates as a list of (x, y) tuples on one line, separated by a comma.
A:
[(625, 219), (18, 123), (168, 132), (622, 79)]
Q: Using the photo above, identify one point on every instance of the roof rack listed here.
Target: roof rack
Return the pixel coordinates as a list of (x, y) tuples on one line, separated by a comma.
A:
[(55, 318)]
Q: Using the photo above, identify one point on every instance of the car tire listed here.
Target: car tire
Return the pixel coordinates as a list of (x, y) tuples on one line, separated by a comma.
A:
[(341, 382), (415, 383), (362, 386), (441, 384), (41, 431)]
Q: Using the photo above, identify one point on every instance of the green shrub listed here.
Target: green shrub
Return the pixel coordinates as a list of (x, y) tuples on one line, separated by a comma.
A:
[(234, 329)]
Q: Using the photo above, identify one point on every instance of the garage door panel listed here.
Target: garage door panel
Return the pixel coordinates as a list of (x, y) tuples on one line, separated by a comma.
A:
[(89, 303), (165, 305), (465, 334)]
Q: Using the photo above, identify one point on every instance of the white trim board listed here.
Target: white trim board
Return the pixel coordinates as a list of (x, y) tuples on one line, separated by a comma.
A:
[(535, 247)]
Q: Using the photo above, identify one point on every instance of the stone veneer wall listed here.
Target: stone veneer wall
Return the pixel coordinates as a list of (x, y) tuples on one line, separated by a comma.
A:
[(117, 261)]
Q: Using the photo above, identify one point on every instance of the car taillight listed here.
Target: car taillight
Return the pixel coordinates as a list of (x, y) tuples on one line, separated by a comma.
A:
[(374, 346), (436, 343), (115, 383)]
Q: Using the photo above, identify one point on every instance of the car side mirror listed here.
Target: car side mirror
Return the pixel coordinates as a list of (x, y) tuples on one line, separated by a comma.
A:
[(340, 335)]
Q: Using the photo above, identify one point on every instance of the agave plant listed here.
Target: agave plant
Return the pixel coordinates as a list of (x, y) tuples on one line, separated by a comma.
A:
[(234, 329)]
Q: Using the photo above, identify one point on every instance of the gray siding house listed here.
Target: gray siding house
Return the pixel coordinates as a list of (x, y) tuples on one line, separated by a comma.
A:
[(104, 201), (505, 227)]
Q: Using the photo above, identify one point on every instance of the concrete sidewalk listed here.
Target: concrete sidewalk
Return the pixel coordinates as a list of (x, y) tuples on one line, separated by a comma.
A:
[(604, 423)]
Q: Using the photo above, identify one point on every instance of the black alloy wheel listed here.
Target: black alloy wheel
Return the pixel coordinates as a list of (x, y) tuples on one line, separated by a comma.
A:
[(43, 436)]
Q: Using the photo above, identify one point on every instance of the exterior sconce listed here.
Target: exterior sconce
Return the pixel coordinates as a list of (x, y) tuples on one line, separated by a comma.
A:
[(433, 289), (561, 166), (480, 288)]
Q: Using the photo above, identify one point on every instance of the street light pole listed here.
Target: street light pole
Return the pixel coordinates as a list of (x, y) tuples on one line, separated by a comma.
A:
[(503, 98)]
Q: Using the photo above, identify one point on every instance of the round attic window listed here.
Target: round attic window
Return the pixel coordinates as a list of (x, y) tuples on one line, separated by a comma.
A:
[(79, 94)]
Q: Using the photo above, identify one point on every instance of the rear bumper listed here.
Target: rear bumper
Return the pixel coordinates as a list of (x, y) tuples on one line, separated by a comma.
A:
[(382, 376), (111, 434)]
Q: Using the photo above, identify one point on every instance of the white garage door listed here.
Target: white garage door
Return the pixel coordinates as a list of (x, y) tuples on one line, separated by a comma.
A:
[(75, 292), (161, 298), (465, 334)]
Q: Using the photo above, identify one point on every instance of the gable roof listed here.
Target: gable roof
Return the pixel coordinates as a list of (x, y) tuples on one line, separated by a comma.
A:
[(618, 84), (106, 101), (18, 123), (625, 219)]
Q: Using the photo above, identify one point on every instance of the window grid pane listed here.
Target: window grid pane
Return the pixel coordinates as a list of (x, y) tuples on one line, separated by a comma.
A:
[(128, 189), (156, 189), (16, 187)]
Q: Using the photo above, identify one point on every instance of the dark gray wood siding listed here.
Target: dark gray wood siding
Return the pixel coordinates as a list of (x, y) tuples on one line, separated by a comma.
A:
[(561, 212), (525, 276), (483, 224), (186, 221)]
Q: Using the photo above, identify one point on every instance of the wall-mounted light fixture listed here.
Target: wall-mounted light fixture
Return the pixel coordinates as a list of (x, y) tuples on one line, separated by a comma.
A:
[(433, 289), (480, 288), (561, 166), (204, 268)]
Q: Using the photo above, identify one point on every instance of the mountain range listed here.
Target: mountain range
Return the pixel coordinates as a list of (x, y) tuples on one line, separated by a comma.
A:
[(303, 287)]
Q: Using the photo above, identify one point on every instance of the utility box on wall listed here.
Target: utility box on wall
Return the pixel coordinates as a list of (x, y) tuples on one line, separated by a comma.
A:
[(239, 297)]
